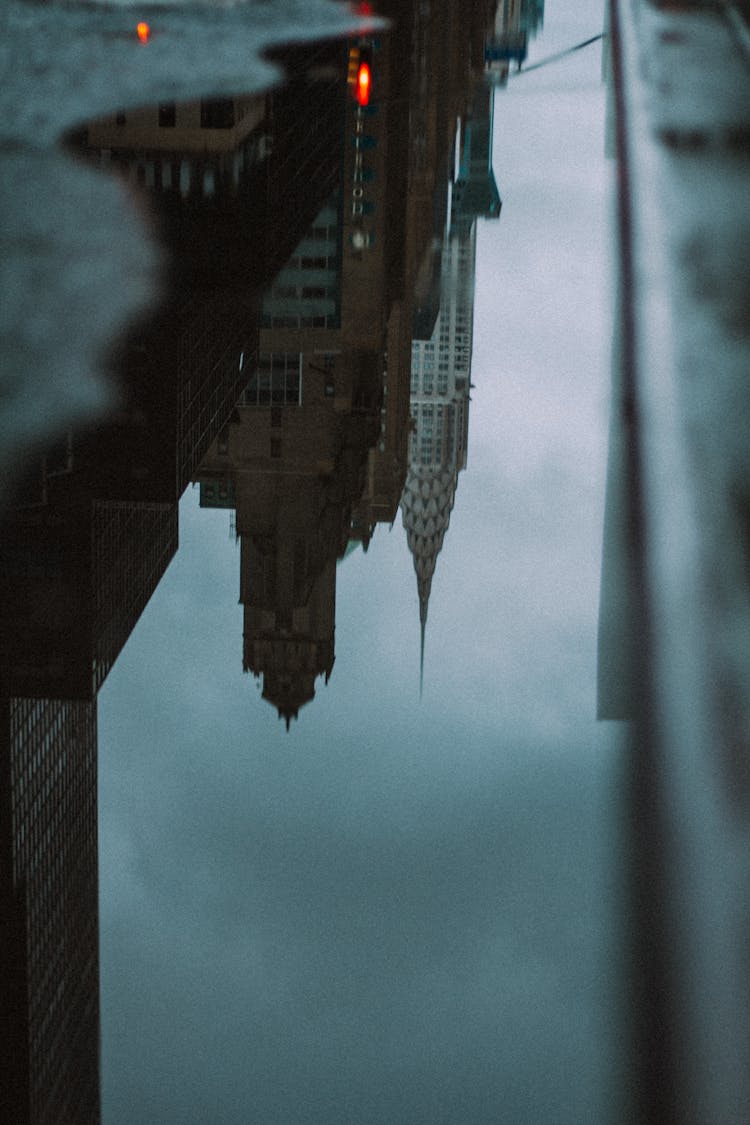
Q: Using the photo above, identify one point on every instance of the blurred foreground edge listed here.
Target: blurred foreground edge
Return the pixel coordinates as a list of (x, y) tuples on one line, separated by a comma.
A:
[(675, 652)]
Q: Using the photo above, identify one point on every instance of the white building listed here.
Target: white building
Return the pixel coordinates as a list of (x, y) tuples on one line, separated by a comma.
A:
[(441, 366)]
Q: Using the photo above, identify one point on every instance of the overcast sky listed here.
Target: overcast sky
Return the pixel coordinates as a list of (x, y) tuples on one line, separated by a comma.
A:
[(401, 911)]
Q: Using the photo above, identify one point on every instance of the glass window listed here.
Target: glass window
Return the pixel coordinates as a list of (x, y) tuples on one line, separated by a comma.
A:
[(277, 381)]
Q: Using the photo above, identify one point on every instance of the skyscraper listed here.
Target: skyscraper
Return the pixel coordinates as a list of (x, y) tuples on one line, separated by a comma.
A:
[(316, 452), (49, 990), (441, 365)]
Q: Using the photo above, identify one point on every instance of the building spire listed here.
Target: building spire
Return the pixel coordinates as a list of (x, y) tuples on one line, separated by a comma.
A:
[(426, 505), (441, 365)]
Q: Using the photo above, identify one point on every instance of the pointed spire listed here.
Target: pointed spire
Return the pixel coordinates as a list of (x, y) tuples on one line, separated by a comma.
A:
[(426, 505)]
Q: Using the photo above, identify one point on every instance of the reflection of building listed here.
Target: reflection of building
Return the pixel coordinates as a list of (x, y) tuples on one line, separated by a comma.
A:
[(76, 571), (49, 912), (313, 408), (441, 365), (75, 580), (516, 21), (230, 186), (317, 451), (232, 182), (292, 465), (291, 461)]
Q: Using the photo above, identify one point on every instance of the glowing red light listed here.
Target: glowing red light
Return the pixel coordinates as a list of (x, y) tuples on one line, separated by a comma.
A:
[(143, 31), (364, 80)]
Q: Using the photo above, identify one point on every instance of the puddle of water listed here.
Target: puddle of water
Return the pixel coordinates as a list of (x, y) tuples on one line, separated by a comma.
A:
[(355, 832)]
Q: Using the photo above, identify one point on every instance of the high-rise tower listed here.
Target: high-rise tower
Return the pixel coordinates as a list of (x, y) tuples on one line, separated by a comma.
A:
[(441, 366), (49, 989)]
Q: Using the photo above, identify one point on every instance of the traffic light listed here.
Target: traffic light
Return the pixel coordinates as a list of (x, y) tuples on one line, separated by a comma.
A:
[(364, 83), (359, 74)]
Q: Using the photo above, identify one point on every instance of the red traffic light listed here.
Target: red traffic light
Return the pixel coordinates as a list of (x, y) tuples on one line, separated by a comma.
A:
[(363, 84)]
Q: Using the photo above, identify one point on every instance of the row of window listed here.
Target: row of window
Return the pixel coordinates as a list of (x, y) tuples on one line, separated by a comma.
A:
[(305, 292), (294, 320), (277, 381), (219, 174), (216, 113), (312, 262)]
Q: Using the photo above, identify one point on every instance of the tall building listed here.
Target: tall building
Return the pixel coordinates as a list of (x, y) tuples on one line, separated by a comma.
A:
[(49, 987), (94, 525), (292, 466), (76, 576), (316, 451), (229, 186), (441, 365)]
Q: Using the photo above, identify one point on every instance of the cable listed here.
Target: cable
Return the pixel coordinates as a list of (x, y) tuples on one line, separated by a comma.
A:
[(559, 55)]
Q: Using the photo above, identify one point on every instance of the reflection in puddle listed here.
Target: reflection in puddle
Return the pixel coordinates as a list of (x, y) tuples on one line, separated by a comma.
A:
[(312, 344), (308, 365)]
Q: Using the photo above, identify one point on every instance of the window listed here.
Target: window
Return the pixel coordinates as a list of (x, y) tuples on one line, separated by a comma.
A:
[(167, 115), (277, 381)]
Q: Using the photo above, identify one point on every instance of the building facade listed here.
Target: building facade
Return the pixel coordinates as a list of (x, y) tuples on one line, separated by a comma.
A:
[(49, 892)]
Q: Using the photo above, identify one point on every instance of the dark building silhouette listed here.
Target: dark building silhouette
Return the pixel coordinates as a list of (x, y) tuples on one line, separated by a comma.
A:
[(75, 580), (292, 466), (293, 460), (49, 995), (229, 187)]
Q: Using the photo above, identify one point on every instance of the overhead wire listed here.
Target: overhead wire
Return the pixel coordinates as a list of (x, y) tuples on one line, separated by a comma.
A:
[(558, 56)]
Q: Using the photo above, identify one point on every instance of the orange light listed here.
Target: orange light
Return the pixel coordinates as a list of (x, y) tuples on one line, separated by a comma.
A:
[(363, 84), (143, 31), (351, 74)]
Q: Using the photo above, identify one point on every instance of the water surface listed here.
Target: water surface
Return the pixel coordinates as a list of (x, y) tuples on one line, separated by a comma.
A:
[(395, 900)]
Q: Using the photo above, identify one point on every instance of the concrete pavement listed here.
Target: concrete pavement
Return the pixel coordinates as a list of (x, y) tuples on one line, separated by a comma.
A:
[(681, 94)]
